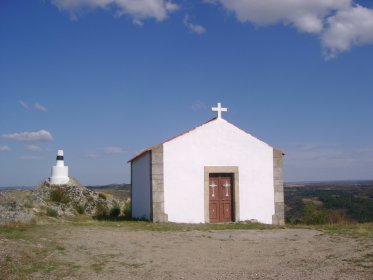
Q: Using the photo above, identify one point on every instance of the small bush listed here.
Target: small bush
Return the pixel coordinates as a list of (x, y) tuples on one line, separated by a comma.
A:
[(102, 195), (27, 204), (101, 210), (115, 211), (52, 212), (127, 211), (338, 217), (80, 209), (59, 195), (313, 215)]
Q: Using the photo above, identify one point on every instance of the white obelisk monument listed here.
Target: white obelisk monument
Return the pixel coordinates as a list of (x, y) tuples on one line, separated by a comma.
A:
[(60, 172)]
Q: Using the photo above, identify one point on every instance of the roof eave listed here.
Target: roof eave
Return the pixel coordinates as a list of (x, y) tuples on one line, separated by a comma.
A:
[(153, 147)]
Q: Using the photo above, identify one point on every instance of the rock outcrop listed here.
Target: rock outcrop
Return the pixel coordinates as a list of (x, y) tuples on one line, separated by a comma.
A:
[(13, 207), (67, 200)]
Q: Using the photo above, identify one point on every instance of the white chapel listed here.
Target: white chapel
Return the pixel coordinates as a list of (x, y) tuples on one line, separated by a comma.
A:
[(215, 172)]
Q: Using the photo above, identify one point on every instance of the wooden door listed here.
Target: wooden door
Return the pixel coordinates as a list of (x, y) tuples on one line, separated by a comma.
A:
[(220, 198)]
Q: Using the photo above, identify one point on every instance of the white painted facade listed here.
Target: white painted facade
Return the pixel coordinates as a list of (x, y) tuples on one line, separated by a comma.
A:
[(217, 143), (214, 144), (170, 181), (141, 194), (59, 172)]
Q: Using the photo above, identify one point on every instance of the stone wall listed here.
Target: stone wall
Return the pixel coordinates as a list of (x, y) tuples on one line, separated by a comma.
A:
[(158, 185), (279, 217)]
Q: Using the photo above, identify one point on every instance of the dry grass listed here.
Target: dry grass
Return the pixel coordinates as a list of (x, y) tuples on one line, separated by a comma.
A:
[(348, 229), (35, 250)]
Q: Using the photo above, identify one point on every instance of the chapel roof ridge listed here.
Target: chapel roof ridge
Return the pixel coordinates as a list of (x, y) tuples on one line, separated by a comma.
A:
[(188, 131)]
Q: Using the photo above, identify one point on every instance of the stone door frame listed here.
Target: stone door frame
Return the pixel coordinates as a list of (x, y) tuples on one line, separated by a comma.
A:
[(236, 195)]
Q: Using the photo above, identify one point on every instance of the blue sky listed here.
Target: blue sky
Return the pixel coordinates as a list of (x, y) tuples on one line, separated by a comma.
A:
[(105, 79)]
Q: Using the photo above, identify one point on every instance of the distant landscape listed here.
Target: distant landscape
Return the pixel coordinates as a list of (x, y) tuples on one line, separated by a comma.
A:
[(120, 191), (305, 202), (329, 202)]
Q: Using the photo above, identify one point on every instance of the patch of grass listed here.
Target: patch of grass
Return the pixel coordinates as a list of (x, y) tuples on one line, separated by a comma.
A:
[(164, 227), (353, 230), (52, 212), (132, 265), (135, 225), (79, 209), (59, 195), (98, 267), (365, 261), (102, 195), (15, 231), (204, 227), (31, 258), (100, 262), (364, 230), (60, 248), (36, 266)]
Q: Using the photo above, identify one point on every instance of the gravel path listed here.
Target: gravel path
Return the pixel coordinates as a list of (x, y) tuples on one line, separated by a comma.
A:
[(110, 253)]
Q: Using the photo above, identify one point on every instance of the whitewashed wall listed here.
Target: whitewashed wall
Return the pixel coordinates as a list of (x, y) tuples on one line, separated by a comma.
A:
[(141, 204), (217, 143)]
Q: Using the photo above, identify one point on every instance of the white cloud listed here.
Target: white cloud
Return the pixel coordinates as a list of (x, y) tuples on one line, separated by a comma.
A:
[(40, 107), (305, 15), (347, 28), (4, 149), (113, 150), (340, 23), (23, 104), (33, 148), (137, 9), (195, 28), (36, 106), (41, 135)]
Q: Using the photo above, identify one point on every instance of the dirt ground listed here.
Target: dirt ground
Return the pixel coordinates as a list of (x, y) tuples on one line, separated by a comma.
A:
[(90, 252)]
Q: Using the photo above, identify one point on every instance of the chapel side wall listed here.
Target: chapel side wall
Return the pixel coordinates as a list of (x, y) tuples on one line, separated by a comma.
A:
[(217, 143), (157, 185), (279, 216), (141, 187)]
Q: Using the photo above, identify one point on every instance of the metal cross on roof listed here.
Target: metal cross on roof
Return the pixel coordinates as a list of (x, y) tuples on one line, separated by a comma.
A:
[(219, 109)]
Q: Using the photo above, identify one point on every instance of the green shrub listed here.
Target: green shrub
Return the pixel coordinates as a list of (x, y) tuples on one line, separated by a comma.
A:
[(27, 204), (115, 211), (127, 211), (60, 195), (313, 215), (52, 212), (102, 195), (79, 208)]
